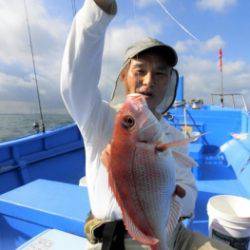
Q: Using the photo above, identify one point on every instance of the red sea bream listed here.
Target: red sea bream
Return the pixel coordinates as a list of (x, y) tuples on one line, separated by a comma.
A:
[(141, 172)]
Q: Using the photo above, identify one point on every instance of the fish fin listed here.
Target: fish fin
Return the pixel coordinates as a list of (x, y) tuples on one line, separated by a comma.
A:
[(174, 215), (160, 147), (184, 159), (136, 234)]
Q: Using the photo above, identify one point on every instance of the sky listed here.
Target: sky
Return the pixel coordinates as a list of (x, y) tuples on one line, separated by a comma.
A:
[(215, 23)]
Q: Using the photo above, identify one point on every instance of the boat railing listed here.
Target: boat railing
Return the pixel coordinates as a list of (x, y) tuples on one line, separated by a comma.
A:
[(197, 127), (233, 96), (185, 125)]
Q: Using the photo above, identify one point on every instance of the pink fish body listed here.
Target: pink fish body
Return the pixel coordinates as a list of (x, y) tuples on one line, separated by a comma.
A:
[(141, 177)]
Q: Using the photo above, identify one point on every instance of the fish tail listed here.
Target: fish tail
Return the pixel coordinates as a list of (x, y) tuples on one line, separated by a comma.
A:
[(173, 219), (136, 234), (161, 245), (155, 247)]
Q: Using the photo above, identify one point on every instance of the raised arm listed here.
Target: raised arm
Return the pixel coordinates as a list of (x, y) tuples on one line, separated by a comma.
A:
[(81, 64)]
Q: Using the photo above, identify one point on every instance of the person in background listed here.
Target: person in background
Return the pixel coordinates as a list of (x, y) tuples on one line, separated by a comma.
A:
[(148, 69)]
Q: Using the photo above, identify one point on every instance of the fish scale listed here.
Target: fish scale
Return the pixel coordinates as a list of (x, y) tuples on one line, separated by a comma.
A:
[(153, 182)]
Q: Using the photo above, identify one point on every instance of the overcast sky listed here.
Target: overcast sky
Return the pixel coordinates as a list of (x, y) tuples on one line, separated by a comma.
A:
[(216, 23)]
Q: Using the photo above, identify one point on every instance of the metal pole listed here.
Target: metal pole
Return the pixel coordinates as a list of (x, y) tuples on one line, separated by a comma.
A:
[(185, 120), (212, 99), (233, 101), (244, 103), (222, 89), (34, 65)]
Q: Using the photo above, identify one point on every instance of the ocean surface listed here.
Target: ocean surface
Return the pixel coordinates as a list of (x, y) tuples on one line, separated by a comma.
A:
[(13, 126)]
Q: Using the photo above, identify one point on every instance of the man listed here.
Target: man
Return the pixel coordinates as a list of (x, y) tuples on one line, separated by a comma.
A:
[(148, 70)]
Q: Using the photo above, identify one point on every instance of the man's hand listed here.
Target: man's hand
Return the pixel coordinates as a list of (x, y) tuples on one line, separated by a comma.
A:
[(109, 6)]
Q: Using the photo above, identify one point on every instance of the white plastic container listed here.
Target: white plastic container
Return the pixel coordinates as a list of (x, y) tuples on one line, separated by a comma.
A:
[(229, 220)]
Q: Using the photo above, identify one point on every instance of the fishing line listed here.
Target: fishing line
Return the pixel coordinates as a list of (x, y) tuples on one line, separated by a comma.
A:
[(176, 21), (137, 57), (74, 1), (73, 7), (134, 9), (34, 65)]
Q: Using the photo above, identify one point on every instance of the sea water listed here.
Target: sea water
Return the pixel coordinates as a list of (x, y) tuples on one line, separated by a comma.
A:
[(13, 126)]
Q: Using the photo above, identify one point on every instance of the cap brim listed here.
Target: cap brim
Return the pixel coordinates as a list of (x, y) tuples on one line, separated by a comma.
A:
[(150, 44), (166, 51)]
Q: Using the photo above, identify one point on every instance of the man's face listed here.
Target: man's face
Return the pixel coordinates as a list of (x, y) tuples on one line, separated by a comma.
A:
[(149, 75)]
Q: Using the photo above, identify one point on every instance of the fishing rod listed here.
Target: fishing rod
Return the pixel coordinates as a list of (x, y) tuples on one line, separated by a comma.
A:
[(34, 65)]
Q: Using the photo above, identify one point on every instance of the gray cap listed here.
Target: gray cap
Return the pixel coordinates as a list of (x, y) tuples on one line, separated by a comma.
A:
[(149, 43), (168, 53)]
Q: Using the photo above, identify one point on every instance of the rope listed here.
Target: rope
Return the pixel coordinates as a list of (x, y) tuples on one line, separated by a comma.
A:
[(176, 21), (34, 65)]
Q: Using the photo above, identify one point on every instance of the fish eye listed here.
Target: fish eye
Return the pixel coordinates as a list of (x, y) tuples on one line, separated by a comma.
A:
[(128, 122)]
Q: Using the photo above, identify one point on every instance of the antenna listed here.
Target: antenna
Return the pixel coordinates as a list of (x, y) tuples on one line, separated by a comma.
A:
[(221, 71), (34, 65)]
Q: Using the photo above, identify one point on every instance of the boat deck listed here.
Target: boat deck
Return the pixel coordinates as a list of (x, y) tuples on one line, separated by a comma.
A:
[(58, 158), (223, 182)]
